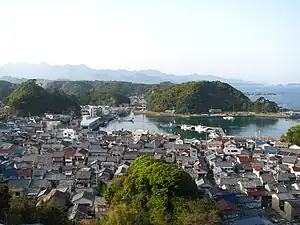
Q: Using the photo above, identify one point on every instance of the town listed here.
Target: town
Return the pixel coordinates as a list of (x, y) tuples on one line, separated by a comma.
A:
[(66, 160)]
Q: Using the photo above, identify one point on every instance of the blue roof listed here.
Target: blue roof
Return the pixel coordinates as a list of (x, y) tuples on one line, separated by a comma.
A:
[(269, 151), (4, 127), (260, 142), (10, 172), (229, 197)]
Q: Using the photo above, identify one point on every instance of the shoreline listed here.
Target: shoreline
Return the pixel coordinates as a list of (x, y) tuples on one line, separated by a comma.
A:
[(237, 114)]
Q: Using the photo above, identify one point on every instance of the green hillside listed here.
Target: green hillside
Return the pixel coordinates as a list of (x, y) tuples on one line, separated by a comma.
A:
[(30, 98), (197, 97)]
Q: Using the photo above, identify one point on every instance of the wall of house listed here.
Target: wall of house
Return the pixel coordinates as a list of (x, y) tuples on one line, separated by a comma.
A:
[(291, 214), (275, 206)]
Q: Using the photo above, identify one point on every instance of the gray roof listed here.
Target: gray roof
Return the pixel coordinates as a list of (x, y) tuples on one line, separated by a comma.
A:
[(267, 179), (83, 174), (58, 154), (42, 183), (20, 183), (289, 159), (30, 158), (39, 172), (285, 196), (84, 194)]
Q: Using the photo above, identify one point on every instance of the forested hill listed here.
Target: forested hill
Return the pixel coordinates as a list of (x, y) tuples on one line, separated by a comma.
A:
[(190, 97), (30, 98), (197, 97)]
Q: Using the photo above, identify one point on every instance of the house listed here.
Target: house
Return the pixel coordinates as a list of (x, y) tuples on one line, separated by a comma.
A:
[(266, 178), (278, 202), (289, 160), (214, 145), (18, 186), (36, 186), (105, 174), (84, 198), (81, 155), (226, 166), (60, 197), (228, 209), (39, 173), (58, 157), (244, 159), (281, 145), (292, 210), (84, 177), (121, 170), (69, 155), (296, 171)]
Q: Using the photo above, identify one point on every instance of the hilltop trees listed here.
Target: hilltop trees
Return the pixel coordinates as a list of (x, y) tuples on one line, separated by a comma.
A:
[(262, 105), (159, 192)]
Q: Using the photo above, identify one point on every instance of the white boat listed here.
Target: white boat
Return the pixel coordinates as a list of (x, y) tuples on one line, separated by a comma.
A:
[(228, 118), (200, 129), (213, 135)]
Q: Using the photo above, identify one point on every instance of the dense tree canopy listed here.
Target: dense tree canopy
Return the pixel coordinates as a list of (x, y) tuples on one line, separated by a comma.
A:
[(292, 135), (197, 97), (161, 192), (100, 92), (262, 105), (30, 98)]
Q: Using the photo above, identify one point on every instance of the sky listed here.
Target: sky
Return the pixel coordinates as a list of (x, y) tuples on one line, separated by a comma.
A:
[(255, 40)]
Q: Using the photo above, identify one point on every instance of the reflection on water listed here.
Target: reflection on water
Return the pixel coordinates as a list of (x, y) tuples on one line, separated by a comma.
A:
[(243, 126)]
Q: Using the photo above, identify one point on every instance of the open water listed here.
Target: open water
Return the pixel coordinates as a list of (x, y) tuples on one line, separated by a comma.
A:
[(241, 126)]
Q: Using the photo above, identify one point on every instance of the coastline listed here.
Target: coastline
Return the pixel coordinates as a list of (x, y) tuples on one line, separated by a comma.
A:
[(236, 114)]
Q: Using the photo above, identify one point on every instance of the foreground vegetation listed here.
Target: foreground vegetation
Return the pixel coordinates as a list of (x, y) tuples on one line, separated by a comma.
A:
[(154, 192), (292, 135), (14, 211)]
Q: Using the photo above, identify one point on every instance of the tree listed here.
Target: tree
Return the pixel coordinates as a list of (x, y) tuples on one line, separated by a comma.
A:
[(4, 203), (262, 105), (292, 135), (124, 215), (49, 213), (101, 188), (159, 190)]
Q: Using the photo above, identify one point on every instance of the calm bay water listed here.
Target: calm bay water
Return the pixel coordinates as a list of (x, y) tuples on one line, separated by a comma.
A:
[(241, 126)]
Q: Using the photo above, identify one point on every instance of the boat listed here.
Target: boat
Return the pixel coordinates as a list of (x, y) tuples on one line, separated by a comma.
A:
[(187, 128), (168, 126), (213, 135), (200, 129), (228, 118)]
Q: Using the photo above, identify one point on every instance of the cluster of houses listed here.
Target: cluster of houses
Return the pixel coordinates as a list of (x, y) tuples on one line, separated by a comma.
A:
[(65, 164)]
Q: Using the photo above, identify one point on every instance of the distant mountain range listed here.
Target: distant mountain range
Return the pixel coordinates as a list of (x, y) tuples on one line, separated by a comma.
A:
[(17, 73)]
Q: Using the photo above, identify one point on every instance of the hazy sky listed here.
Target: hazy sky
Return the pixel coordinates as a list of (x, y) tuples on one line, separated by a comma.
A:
[(256, 40)]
